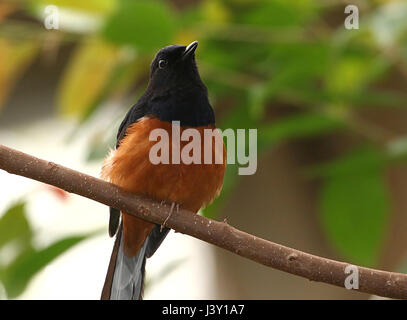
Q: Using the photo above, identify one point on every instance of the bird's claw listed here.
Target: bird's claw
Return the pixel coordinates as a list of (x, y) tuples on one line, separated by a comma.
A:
[(173, 205)]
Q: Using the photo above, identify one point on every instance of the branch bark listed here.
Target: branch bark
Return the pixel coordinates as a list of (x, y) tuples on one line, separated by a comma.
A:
[(314, 268)]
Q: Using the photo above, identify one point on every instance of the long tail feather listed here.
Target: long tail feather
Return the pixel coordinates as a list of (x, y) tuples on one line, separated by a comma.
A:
[(129, 275), (125, 275), (107, 287)]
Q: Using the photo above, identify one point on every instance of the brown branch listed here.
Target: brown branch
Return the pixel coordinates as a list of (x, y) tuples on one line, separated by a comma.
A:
[(381, 283)]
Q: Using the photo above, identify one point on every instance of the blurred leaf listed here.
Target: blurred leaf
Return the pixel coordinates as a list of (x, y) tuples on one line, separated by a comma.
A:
[(6, 9), (377, 98), (297, 126), (238, 118), (14, 225), (86, 76), (352, 73), (186, 36), (230, 182), (354, 213), (296, 66), (114, 81), (257, 101), (362, 160), (98, 151), (215, 11), (15, 57), (165, 271), (388, 23), (279, 13), (147, 25), (100, 147), (17, 275), (123, 76), (93, 6), (217, 56), (403, 267), (397, 148)]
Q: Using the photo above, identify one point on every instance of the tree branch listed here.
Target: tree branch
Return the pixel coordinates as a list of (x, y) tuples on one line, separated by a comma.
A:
[(381, 283)]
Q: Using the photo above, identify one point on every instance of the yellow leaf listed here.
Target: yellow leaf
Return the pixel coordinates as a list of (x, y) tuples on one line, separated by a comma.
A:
[(216, 11), (14, 59), (85, 76), (92, 6), (186, 36), (134, 70)]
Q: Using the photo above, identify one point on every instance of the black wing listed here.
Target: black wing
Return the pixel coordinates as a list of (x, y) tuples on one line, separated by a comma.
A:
[(138, 111), (157, 235)]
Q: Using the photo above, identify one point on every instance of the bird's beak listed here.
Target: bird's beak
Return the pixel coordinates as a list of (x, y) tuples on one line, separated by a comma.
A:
[(190, 49)]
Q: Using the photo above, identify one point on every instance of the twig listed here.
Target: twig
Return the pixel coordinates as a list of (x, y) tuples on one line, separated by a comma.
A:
[(221, 234)]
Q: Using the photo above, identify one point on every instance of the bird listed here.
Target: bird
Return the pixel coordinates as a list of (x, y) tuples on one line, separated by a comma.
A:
[(175, 94)]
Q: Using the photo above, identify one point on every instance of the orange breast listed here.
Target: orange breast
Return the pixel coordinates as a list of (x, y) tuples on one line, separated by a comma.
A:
[(192, 186)]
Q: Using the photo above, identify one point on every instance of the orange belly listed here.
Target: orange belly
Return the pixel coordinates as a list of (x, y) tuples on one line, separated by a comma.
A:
[(192, 186)]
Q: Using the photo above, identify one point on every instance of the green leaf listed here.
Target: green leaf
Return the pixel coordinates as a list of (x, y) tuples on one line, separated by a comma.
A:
[(257, 101), (302, 125), (290, 127), (279, 13), (147, 25), (17, 275), (295, 67), (14, 225), (351, 73), (364, 159), (354, 213), (238, 118)]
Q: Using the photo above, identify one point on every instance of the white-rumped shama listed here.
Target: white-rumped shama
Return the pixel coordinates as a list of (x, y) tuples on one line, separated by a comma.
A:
[(175, 93)]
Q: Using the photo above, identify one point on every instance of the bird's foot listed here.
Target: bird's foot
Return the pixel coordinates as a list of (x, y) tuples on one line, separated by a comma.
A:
[(173, 205)]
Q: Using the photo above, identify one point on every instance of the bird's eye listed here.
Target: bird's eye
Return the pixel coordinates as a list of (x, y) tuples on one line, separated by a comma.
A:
[(162, 64)]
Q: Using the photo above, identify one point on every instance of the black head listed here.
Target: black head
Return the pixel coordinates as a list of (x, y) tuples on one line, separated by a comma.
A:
[(174, 67), (175, 90)]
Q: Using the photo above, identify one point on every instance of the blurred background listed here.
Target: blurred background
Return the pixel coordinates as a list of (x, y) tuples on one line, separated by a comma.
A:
[(330, 108)]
